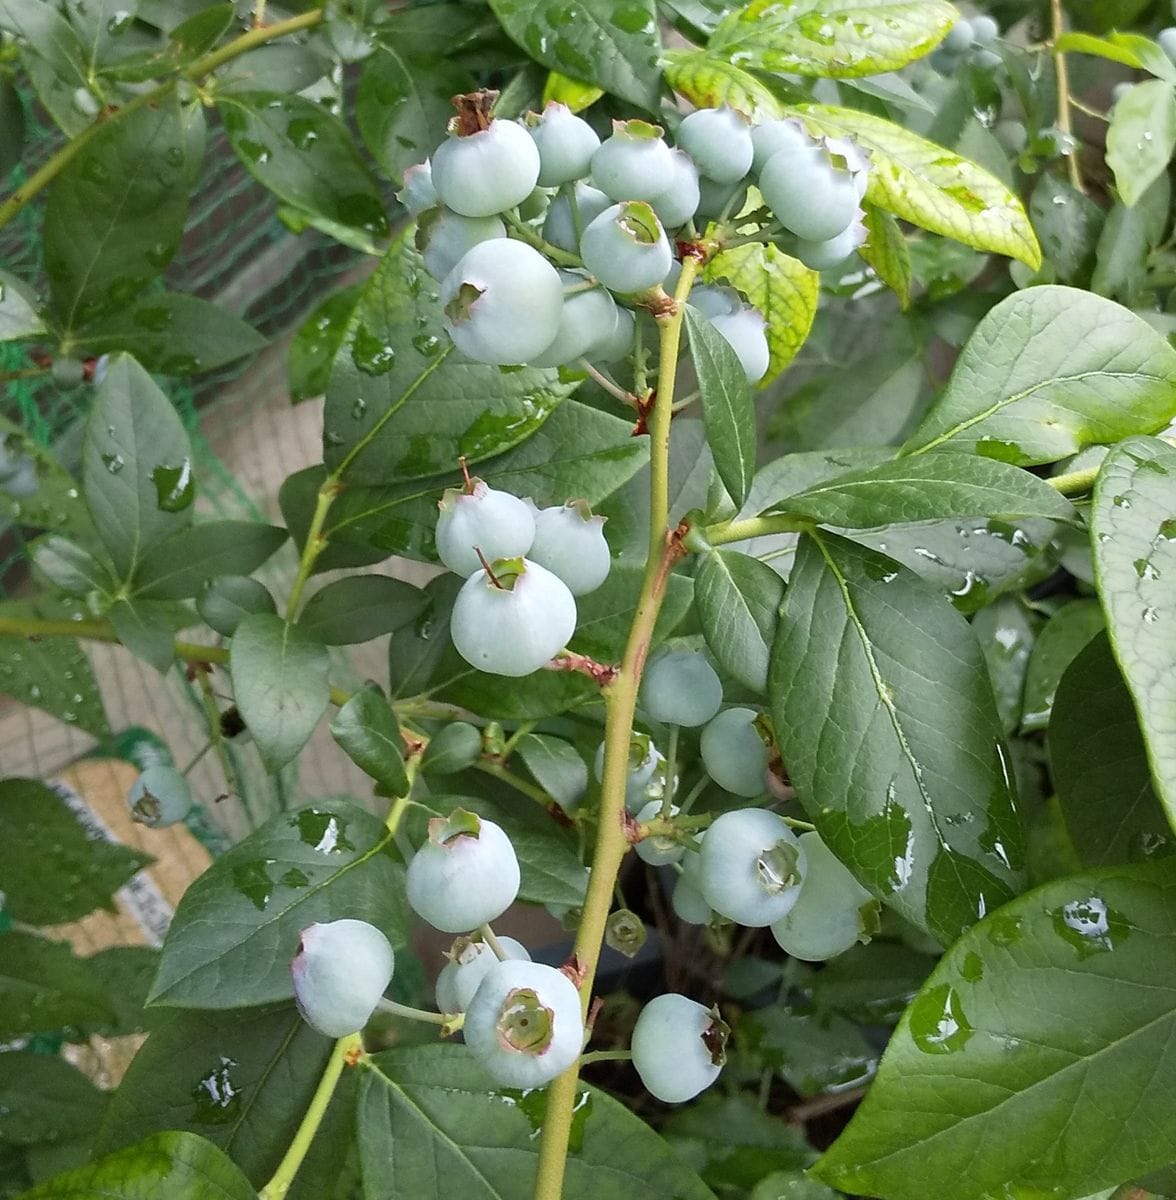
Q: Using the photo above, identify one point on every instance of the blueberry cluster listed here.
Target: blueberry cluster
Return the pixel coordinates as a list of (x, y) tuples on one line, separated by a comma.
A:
[(523, 568), (968, 41)]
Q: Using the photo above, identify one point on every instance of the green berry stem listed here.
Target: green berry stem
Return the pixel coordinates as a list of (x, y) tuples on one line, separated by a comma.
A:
[(316, 542), (671, 769), (507, 776), (618, 393), (1061, 71), (197, 756), (346, 1050), (693, 795), (491, 940), (520, 229), (594, 1056), (452, 1022)]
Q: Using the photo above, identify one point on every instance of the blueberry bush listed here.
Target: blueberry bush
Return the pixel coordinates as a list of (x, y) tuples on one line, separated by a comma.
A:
[(782, 395)]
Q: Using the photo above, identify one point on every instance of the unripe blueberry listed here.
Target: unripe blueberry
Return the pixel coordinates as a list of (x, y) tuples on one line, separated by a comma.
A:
[(643, 760), (340, 972), (619, 344), (587, 319), (985, 30), (226, 600), (1014, 137), (824, 256), (634, 163), (734, 753), (808, 194), (719, 141), (752, 867), (658, 850), (524, 1024), (23, 481), (443, 237), (160, 797), (514, 623), (569, 542), (679, 1047), (679, 202), (566, 144), (771, 136), (465, 875), (1167, 41), (535, 205), (452, 748), (848, 156), (744, 332), (559, 226), (418, 192), (985, 59), (468, 965), (944, 62), (713, 300), (502, 302), (959, 38), (833, 911), (478, 517), (486, 172), (626, 248), (714, 199), (687, 900), (67, 373), (680, 687)]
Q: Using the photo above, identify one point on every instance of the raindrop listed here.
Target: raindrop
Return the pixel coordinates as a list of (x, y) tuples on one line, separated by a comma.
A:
[(938, 1024), (113, 463)]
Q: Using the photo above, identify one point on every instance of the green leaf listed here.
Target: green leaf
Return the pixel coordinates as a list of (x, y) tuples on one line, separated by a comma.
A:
[(795, 473), (1068, 225), (44, 1099), (1048, 371), (69, 567), (18, 310), (401, 407), (44, 988), (606, 614), (1099, 764), (1141, 137), (1065, 994), (236, 928), (1133, 521), (708, 81), (360, 608), (1006, 632), (738, 601), (403, 104), (168, 1164), (930, 487), (728, 410), (885, 717), (136, 465), (367, 729), (871, 983), (814, 1052), (833, 39), (52, 674), (1130, 49), (280, 681), (186, 42), (171, 334), (147, 630), (1064, 637), (57, 503), (615, 46), (304, 155), (929, 186), (48, 36), (115, 214), (432, 1124), (556, 765), (53, 870), (886, 252), (308, 366), (242, 1079), (1128, 236), (179, 566), (782, 288)]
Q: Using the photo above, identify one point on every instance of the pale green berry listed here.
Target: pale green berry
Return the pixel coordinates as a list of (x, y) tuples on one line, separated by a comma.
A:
[(418, 192), (588, 319), (680, 687), (679, 1047), (745, 332), (560, 225), (477, 518), (733, 752), (985, 30), (619, 344), (468, 965), (775, 135), (719, 141), (959, 38), (626, 248), (687, 900), (679, 202), (713, 300), (752, 867), (634, 163), (443, 237), (486, 172), (341, 971), (566, 144), (643, 762), (715, 199), (569, 541), (161, 796), (658, 850), (808, 194)]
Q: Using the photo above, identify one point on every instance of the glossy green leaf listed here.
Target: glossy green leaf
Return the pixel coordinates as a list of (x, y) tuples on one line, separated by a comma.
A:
[(1065, 994), (929, 186), (280, 682), (57, 503), (367, 729), (81, 874), (606, 614), (313, 350), (1063, 638), (836, 39), (432, 1124), (886, 252), (167, 1164), (48, 37), (186, 42), (1048, 371), (738, 602), (885, 716), (18, 310), (70, 568), (1133, 520), (782, 288), (1128, 236), (616, 46), (236, 928), (115, 214), (1099, 764), (403, 104), (171, 334), (556, 765), (177, 567), (814, 1052), (44, 988), (1141, 137), (1006, 631), (400, 406), (728, 409), (304, 155), (1130, 49), (1068, 224), (44, 1099), (872, 983), (927, 488), (792, 474), (136, 465), (241, 1079), (146, 628), (359, 609), (709, 81)]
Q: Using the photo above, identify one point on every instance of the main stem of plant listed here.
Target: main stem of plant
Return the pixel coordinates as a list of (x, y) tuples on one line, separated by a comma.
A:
[(620, 699)]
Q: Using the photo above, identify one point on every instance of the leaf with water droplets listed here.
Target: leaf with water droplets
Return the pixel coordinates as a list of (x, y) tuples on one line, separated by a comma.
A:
[(1063, 638), (308, 365), (18, 310), (177, 567), (887, 726), (1133, 519), (1048, 1032), (1141, 137), (236, 928)]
